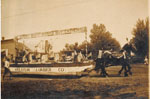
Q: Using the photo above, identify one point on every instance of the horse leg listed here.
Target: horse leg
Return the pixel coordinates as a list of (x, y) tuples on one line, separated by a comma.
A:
[(103, 72), (129, 69), (125, 72), (121, 70), (106, 74)]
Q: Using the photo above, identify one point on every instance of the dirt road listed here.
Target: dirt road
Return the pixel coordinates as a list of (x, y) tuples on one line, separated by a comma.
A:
[(112, 87)]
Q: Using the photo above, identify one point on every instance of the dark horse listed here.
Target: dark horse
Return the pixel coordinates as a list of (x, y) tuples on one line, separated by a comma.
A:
[(100, 65), (108, 59), (102, 62)]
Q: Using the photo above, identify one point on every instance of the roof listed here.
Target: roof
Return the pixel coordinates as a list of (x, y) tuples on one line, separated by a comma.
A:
[(7, 40)]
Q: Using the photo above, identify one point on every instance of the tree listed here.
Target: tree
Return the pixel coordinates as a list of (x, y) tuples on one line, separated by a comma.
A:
[(140, 39), (84, 44), (102, 39), (70, 47)]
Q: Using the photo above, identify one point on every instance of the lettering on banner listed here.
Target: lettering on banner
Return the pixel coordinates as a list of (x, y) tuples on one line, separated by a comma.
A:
[(61, 69), (22, 69), (32, 69), (43, 69)]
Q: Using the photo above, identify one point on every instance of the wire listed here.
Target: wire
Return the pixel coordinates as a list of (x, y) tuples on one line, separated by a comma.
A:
[(40, 10)]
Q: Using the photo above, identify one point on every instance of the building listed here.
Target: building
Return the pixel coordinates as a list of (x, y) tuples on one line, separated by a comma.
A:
[(10, 47)]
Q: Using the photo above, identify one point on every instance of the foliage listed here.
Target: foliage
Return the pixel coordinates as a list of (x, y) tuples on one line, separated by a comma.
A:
[(83, 46), (70, 47), (102, 39), (140, 39)]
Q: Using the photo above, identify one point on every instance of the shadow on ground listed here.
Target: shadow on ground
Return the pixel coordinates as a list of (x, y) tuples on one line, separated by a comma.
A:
[(62, 76), (47, 76)]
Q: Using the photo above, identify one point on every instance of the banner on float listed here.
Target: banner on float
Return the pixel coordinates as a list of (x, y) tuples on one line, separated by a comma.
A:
[(49, 69)]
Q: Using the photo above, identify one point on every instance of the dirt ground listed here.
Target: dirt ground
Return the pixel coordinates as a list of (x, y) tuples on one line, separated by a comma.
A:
[(86, 87)]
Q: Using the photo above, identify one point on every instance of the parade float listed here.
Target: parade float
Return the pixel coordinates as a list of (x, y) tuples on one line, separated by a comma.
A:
[(43, 61)]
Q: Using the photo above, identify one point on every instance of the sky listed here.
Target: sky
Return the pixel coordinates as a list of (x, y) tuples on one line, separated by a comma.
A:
[(31, 16)]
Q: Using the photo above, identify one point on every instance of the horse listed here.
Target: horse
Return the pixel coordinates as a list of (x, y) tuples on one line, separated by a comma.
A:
[(123, 60), (102, 62), (100, 65), (109, 60)]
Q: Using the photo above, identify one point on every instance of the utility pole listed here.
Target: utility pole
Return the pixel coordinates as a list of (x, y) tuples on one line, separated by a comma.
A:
[(86, 42)]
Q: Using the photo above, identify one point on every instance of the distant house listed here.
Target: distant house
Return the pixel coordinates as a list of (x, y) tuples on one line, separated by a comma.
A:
[(11, 47)]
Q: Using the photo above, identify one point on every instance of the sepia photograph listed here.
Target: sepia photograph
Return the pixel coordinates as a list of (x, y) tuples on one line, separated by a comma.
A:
[(75, 49)]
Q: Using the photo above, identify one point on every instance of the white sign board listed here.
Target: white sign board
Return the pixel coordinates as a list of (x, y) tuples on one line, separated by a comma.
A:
[(49, 70)]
